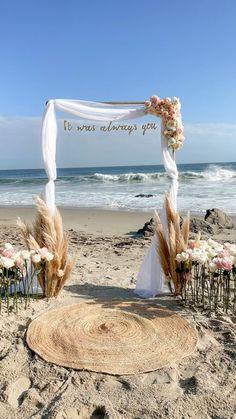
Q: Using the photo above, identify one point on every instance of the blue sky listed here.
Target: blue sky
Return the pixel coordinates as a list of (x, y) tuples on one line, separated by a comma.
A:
[(119, 50)]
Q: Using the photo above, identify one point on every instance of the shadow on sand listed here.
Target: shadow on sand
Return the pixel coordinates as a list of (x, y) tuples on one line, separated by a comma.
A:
[(104, 293)]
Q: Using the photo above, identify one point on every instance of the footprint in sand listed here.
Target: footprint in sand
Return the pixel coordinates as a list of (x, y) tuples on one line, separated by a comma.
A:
[(188, 380), (99, 413), (17, 390)]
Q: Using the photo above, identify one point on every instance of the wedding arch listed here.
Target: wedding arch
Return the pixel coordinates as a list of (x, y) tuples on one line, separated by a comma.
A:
[(150, 279)]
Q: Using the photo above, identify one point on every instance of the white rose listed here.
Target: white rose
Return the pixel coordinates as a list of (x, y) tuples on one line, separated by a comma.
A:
[(182, 257), (6, 262), (199, 256), (203, 259), (171, 126), (212, 267), (171, 142), (219, 248), (16, 256), (36, 258), (211, 252), (233, 259), (25, 254), (60, 273), (232, 250), (48, 256), (203, 244), (175, 100), (8, 246), (179, 257), (212, 243)]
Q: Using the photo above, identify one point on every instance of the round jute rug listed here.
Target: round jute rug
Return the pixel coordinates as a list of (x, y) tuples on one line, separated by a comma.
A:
[(115, 337)]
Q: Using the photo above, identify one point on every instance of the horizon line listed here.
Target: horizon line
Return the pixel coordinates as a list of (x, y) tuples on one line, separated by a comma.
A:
[(112, 166)]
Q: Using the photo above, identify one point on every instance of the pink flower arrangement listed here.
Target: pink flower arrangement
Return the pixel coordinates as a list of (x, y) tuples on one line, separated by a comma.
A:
[(212, 254), (223, 263), (169, 111), (11, 259)]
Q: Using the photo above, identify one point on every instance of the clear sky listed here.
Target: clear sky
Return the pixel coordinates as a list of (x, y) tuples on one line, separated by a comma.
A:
[(118, 50)]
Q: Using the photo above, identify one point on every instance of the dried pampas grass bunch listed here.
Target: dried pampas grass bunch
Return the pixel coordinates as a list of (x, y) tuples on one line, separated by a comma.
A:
[(47, 232), (176, 241)]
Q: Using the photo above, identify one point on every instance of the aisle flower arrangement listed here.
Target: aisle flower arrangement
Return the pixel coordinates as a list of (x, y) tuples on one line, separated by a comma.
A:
[(47, 233), (170, 244), (169, 111), (211, 270), (18, 270), (203, 272)]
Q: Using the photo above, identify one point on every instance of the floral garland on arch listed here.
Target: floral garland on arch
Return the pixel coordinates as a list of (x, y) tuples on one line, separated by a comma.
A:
[(169, 111)]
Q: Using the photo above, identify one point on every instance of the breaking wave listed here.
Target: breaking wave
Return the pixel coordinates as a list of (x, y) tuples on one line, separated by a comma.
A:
[(211, 173)]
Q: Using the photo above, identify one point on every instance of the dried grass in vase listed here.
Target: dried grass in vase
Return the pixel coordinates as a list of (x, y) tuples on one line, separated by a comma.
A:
[(47, 232), (168, 246)]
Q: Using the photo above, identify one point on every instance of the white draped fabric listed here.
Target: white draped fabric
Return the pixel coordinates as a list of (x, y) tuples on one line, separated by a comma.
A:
[(150, 281)]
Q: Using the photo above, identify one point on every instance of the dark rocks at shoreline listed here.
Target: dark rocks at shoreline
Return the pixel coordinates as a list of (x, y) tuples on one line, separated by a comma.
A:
[(217, 217), (144, 195), (198, 225), (214, 222), (148, 229)]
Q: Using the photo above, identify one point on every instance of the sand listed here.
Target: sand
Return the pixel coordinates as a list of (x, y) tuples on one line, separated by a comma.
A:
[(201, 386)]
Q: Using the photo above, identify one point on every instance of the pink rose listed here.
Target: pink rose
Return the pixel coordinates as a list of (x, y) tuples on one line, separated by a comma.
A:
[(191, 244), (223, 263), (19, 264), (228, 265), (7, 253), (43, 251), (223, 253), (154, 100)]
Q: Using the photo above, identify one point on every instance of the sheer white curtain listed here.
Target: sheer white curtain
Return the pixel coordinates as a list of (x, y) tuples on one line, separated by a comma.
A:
[(150, 280)]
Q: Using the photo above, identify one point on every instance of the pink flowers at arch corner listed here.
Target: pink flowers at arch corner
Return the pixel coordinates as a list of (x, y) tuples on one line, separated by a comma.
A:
[(169, 111)]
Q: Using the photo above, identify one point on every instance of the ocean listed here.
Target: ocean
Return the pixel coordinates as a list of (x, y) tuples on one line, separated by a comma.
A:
[(201, 186)]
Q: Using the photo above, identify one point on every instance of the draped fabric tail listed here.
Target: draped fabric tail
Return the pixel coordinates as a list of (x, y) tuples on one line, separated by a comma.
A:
[(50, 195), (150, 279), (49, 136)]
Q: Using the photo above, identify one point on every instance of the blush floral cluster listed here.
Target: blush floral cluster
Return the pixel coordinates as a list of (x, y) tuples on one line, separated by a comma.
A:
[(208, 271), (12, 259), (18, 268), (169, 111), (214, 255)]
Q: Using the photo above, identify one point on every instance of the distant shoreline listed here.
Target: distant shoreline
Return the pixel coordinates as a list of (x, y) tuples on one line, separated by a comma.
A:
[(89, 220)]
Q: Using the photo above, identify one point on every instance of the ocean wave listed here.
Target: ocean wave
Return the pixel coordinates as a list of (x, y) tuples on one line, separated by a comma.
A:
[(22, 181), (219, 173), (211, 173), (127, 177)]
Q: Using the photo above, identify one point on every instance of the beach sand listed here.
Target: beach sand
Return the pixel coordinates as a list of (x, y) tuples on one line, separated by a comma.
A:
[(201, 386)]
